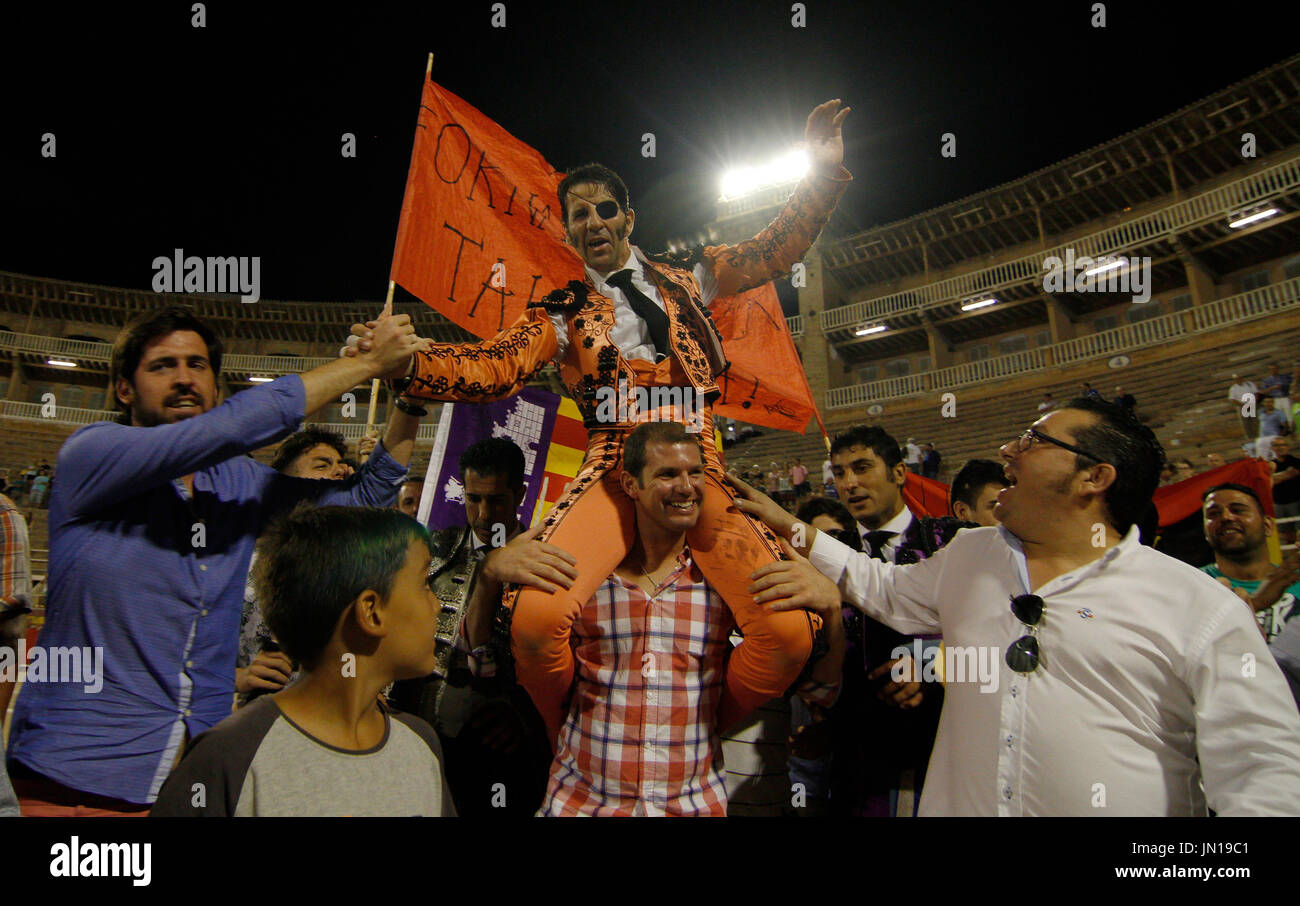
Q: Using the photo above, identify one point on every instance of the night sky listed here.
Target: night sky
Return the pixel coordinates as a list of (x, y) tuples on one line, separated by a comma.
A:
[(225, 140)]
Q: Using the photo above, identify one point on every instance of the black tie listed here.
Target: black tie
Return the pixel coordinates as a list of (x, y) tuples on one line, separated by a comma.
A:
[(645, 308), (876, 540)]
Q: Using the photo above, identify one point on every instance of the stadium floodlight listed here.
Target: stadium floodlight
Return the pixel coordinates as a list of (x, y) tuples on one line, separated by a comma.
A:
[(60, 363), (260, 380), (787, 168), (1105, 265), (979, 303), (864, 331), (1243, 218)]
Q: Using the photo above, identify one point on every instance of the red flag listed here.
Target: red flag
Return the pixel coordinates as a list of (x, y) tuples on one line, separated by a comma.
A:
[(925, 496), (563, 457), (766, 384), (1175, 502), (480, 235), (1179, 500)]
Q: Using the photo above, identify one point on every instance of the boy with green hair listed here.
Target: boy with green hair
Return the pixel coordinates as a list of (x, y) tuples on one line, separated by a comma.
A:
[(343, 589)]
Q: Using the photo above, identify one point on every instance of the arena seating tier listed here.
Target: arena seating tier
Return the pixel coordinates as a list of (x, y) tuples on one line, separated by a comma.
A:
[(1181, 389)]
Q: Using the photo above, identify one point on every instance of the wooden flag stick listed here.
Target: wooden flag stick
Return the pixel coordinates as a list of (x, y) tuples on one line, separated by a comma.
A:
[(388, 302), (374, 385)]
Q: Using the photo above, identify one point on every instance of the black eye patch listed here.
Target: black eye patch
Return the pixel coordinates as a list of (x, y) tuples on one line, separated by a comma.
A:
[(607, 210)]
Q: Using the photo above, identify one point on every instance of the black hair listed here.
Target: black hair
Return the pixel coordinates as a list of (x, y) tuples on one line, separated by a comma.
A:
[(1149, 525), (1130, 447), (653, 433), (600, 175), (147, 326), (873, 437), (813, 507), (494, 456), (313, 563), (972, 478), (1233, 486), (297, 444)]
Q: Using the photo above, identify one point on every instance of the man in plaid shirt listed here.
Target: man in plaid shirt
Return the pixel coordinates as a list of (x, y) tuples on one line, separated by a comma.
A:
[(641, 737)]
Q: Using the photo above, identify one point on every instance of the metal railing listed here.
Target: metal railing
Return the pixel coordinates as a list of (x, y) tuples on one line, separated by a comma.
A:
[(66, 415), (90, 351), (268, 365), (1256, 303), (1216, 203), (271, 365), (62, 415)]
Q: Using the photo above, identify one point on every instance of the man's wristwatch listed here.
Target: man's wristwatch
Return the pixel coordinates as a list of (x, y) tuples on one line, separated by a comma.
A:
[(408, 407), (399, 385)]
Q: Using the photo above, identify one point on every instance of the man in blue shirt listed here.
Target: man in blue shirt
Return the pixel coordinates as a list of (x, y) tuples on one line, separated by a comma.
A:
[(152, 524)]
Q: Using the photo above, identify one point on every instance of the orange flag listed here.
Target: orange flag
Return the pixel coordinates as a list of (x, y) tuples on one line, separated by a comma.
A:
[(766, 384), (480, 235)]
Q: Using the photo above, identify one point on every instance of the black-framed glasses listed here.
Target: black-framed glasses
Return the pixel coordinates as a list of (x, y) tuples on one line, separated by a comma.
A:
[(1022, 656), (1027, 440)]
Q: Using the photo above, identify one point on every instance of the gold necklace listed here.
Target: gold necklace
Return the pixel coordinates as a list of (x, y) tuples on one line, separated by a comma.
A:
[(653, 582)]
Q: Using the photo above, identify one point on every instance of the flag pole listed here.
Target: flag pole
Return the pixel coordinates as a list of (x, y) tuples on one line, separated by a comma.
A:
[(374, 385), (388, 301)]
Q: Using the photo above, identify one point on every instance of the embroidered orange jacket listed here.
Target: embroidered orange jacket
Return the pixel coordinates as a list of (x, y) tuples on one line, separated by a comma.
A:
[(497, 368)]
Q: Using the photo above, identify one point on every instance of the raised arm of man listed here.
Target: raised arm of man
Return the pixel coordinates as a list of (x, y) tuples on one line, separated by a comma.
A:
[(731, 269), (107, 463)]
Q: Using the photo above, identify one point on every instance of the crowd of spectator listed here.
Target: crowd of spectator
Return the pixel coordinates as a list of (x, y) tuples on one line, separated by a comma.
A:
[(29, 487), (278, 575)]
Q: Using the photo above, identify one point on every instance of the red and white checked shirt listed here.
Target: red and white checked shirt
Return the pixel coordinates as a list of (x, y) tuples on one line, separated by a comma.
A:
[(15, 563), (642, 737)]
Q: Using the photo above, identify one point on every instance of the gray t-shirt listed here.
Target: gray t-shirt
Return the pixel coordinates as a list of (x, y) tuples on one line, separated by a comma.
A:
[(8, 801), (259, 763)]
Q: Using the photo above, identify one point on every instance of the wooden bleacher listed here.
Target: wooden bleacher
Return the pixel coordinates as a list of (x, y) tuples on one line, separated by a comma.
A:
[(1181, 390)]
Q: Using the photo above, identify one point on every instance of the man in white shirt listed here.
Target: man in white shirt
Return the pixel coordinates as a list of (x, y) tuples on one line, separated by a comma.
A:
[(1128, 683), (913, 456), (1237, 393)]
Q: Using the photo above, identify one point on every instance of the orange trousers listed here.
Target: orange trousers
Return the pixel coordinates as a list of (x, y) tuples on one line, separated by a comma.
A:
[(595, 521)]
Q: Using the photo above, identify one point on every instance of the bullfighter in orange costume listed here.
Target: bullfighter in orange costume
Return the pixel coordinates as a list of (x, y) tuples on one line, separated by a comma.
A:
[(640, 323)]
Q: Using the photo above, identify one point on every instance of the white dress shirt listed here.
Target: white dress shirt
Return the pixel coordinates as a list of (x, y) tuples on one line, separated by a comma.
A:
[(629, 333), (1237, 391), (898, 525), (1154, 694)]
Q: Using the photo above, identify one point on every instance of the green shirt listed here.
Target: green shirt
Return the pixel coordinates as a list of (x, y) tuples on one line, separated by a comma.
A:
[(1274, 618)]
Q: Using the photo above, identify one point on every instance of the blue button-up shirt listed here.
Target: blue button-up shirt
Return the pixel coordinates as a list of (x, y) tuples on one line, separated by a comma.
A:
[(155, 579)]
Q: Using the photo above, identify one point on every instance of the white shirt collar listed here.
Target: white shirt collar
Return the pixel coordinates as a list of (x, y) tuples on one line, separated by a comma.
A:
[(898, 525), (633, 262), (1126, 546), (479, 544)]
